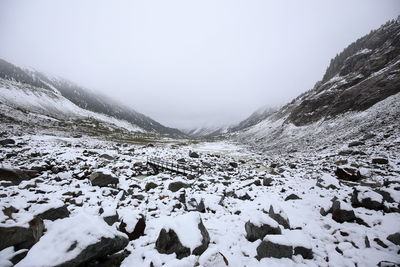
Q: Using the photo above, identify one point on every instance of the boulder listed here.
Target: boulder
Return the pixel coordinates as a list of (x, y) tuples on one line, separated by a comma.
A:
[(173, 237), (21, 237), (176, 186), (394, 238), (269, 249), (101, 179), (233, 164), (342, 213), (347, 174), (356, 143), (380, 161), (135, 232), (267, 181), (259, 226), (107, 157), (367, 199), (150, 185), (7, 142), (13, 176), (54, 213), (75, 241), (388, 264), (292, 197), (279, 216), (194, 155)]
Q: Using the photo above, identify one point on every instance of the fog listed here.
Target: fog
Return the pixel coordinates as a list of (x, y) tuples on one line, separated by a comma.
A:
[(188, 63)]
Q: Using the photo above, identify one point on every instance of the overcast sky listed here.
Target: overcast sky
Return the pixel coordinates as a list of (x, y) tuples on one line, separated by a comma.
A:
[(188, 63)]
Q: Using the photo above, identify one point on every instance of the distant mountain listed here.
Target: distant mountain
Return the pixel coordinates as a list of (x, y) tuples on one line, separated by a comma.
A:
[(362, 75), (18, 78)]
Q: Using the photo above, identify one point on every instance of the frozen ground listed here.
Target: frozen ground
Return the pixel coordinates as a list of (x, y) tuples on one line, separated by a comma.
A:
[(237, 187)]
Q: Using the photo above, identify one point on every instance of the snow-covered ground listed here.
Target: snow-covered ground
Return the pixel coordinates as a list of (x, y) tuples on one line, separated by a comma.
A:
[(224, 199)]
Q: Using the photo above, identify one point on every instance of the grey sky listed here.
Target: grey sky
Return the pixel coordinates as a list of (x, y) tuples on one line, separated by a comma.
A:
[(188, 63)]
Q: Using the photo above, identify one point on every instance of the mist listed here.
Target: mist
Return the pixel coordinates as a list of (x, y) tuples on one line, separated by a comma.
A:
[(188, 63)]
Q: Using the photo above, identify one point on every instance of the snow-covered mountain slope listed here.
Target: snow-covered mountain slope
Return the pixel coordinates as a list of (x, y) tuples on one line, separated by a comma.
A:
[(56, 97), (353, 97)]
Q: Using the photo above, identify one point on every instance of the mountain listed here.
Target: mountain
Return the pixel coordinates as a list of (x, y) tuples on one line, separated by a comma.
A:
[(355, 91), (64, 99)]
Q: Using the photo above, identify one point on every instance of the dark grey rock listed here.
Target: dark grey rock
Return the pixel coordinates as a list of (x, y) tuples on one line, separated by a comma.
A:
[(110, 220), (380, 161), (306, 253), (356, 143), (267, 181), (254, 232), (54, 213), (21, 237), (7, 142), (176, 186), (394, 238), (137, 232), (233, 164), (107, 157), (13, 176), (193, 154), (150, 185), (101, 179), (367, 203), (292, 197), (279, 218), (347, 174), (268, 249), (388, 264), (341, 215), (168, 243)]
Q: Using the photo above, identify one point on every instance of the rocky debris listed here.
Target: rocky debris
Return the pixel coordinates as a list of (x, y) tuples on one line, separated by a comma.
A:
[(292, 197), (267, 181), (169, 242), (194, 155), (13, 176), (367, 199), (347, 174), (341, 212), (150, 185), (111, 219), (176, 186), (394, 238), (102, 180), (21, 237), (356, 143), (7, 142), (107, 157), (269, 249), (258, 228), (74, 243), (380, 161), (55, 213)]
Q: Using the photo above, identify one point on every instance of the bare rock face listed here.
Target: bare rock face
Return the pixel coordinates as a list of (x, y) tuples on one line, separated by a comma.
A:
[(102, 180), (21, 237)]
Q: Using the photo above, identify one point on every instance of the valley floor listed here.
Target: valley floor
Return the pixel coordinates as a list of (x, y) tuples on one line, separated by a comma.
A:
[(286, 204)]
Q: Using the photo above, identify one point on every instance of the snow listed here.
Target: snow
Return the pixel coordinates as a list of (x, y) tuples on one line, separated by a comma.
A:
[(60, 237)]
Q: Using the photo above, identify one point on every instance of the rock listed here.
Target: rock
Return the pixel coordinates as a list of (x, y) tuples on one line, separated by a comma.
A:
[(13, 176), (114, 260), (111, 219), (54, 213), (380, 161), (21, 237), (7, 142), (258, 228), (388, 264), (306, 253), (107, 157), (347, 174), (269, 249), (267, 181), (168, 241), (356, 143), (137, 232), (369, 200), (292, 197), (150, 185), (233, 164), (101, 179), (394, 238), (181, 160), (176, 186), (193, 154), (341, 213), (280, 217), (75, 241)]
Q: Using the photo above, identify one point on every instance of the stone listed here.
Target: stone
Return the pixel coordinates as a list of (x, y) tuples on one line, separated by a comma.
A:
[(306, 253), (388, 264), (110, 220), (268, 249), (137, 232), (347, 174), (366, 202), (102, 180), (254, 232), (380, 161), (342, 215), (7, 142), (168, 242), (107, 157), (176, 186), (13, 176), (150, 185), (394, 238), (280, 217), (54, 213), (267, 181), (356, 143), (233, 164), (21, 237), (292, 197), (194, 155)]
